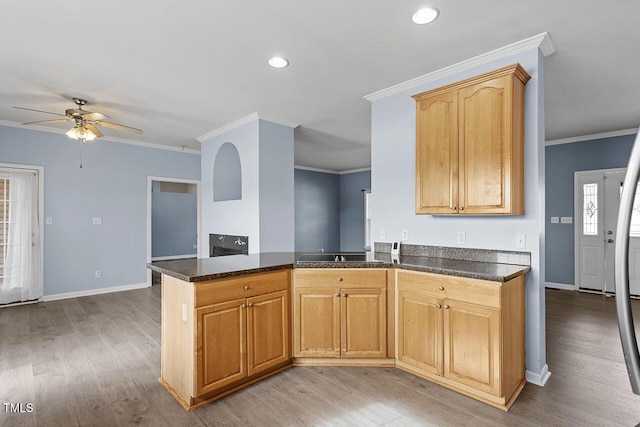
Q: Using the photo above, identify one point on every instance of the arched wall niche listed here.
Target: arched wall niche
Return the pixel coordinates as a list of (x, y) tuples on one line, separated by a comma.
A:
[(227, 174)]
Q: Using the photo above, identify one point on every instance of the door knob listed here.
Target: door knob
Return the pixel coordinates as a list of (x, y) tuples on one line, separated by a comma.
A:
[(610, 240)]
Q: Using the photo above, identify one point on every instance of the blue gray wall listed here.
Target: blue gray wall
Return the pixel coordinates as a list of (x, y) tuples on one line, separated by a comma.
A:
[(352, 210), (111, 185), (317, 211), (174, 223), (277, 215), (562, 161), (393, 191)]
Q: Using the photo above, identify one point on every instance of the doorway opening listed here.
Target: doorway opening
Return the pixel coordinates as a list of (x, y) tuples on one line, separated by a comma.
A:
[(596, 206), (173, 220)]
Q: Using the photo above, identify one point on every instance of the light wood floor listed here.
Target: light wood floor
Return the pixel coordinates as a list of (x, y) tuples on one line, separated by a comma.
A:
[(95, 361)]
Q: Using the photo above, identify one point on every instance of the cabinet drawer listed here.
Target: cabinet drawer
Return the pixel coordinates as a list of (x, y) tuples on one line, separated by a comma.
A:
[(340, 277), (249, 285), (474, 291)]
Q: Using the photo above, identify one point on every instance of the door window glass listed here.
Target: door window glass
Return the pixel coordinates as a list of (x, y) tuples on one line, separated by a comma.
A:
[(590, 209)]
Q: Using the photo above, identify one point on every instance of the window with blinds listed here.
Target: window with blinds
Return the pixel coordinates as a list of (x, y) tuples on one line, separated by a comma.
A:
[(4, 224)]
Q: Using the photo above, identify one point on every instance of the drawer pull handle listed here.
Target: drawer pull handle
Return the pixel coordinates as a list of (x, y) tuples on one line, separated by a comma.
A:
[(446, 307), (246, 288), (340, 279), (438, 305), (441, 288)]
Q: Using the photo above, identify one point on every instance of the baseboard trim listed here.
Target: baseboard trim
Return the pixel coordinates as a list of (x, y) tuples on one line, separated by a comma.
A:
[(164, 258), (90, 292), (564, 286), (539, 378)]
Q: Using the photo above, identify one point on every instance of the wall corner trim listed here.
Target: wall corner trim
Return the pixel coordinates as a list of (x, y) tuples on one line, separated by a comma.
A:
[(243, 121), (90, 292), (542, 41), (539, 378)]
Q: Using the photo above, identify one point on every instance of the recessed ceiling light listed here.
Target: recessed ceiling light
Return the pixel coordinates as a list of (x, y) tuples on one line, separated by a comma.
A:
[(426, 15), (278, 62)]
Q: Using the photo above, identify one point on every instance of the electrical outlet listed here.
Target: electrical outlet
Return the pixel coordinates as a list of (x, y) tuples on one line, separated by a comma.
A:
[(566, 220), (555, 220), (195, 246), (462, 238), (383, 234), (405, 235), (97, 221), (521, 241), (98, 274)]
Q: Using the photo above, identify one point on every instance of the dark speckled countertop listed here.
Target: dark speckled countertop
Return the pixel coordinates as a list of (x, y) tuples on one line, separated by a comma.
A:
[(196, 270)]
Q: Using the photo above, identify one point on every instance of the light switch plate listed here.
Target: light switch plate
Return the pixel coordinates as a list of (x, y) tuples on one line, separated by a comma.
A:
[(521, 241), (383, 234), (49, 220), (555, 220), (566, 220), (405, 235), (97, 221)]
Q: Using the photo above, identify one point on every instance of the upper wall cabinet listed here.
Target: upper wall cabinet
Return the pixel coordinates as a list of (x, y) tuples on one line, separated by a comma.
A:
[(470, 145)]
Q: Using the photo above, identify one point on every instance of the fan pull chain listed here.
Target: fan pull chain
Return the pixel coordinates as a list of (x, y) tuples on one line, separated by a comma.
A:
[(81, 145)]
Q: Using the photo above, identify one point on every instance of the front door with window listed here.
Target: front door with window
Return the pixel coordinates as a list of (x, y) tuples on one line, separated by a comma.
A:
[(597, 205)]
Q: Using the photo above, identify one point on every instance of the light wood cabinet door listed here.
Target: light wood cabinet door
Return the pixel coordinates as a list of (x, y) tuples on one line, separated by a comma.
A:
[(472, 345), (267, 331), (221, 345), (437, 154), (363, 322), (317, 322), (420, 341), (485, 147)]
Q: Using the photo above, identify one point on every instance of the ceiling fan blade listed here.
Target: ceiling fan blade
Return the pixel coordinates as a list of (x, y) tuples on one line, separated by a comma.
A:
[(39, 111), (88, 115), (94, 129), (42, 122), (117, 126)]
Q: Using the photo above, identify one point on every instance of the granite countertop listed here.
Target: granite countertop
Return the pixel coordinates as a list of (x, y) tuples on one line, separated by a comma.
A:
[(201, 269)]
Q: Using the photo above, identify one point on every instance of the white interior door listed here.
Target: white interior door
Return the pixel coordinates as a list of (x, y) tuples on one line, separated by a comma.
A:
[(589, 230)]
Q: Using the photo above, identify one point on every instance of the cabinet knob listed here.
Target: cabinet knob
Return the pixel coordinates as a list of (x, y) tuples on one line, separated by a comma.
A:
[(340, 279), (246, 288), (446, 307), (250, 304), (345, 295), (454, 208), (461, 208), (441, 288), (243, 305), (338, 294), (438, 305)]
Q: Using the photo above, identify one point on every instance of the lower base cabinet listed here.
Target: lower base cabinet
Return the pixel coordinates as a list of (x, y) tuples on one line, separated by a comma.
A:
[(465, 334), (239, 330)]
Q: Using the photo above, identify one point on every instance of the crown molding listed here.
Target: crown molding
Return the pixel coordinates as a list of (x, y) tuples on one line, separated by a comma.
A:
[(145, 144), (335, 172), (592, 136), (542, 41), (243, 121)]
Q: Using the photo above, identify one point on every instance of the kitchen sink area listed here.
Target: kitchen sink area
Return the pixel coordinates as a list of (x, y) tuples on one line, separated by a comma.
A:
[(337, 257)]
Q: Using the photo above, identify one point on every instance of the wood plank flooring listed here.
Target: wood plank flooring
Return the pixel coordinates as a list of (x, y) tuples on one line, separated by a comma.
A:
[(95, 361)]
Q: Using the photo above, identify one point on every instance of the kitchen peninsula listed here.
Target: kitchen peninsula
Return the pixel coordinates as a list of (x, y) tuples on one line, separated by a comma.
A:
[(453, 316)]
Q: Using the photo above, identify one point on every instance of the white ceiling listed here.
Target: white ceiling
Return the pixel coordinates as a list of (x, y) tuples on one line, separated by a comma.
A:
[(179, 70)]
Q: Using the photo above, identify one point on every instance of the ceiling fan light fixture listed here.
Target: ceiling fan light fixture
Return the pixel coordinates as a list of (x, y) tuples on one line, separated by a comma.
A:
[(82, 133), (278, 62), (425, 15)]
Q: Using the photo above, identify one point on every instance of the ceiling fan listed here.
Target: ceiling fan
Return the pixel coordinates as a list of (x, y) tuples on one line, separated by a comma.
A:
[(85, 121)]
